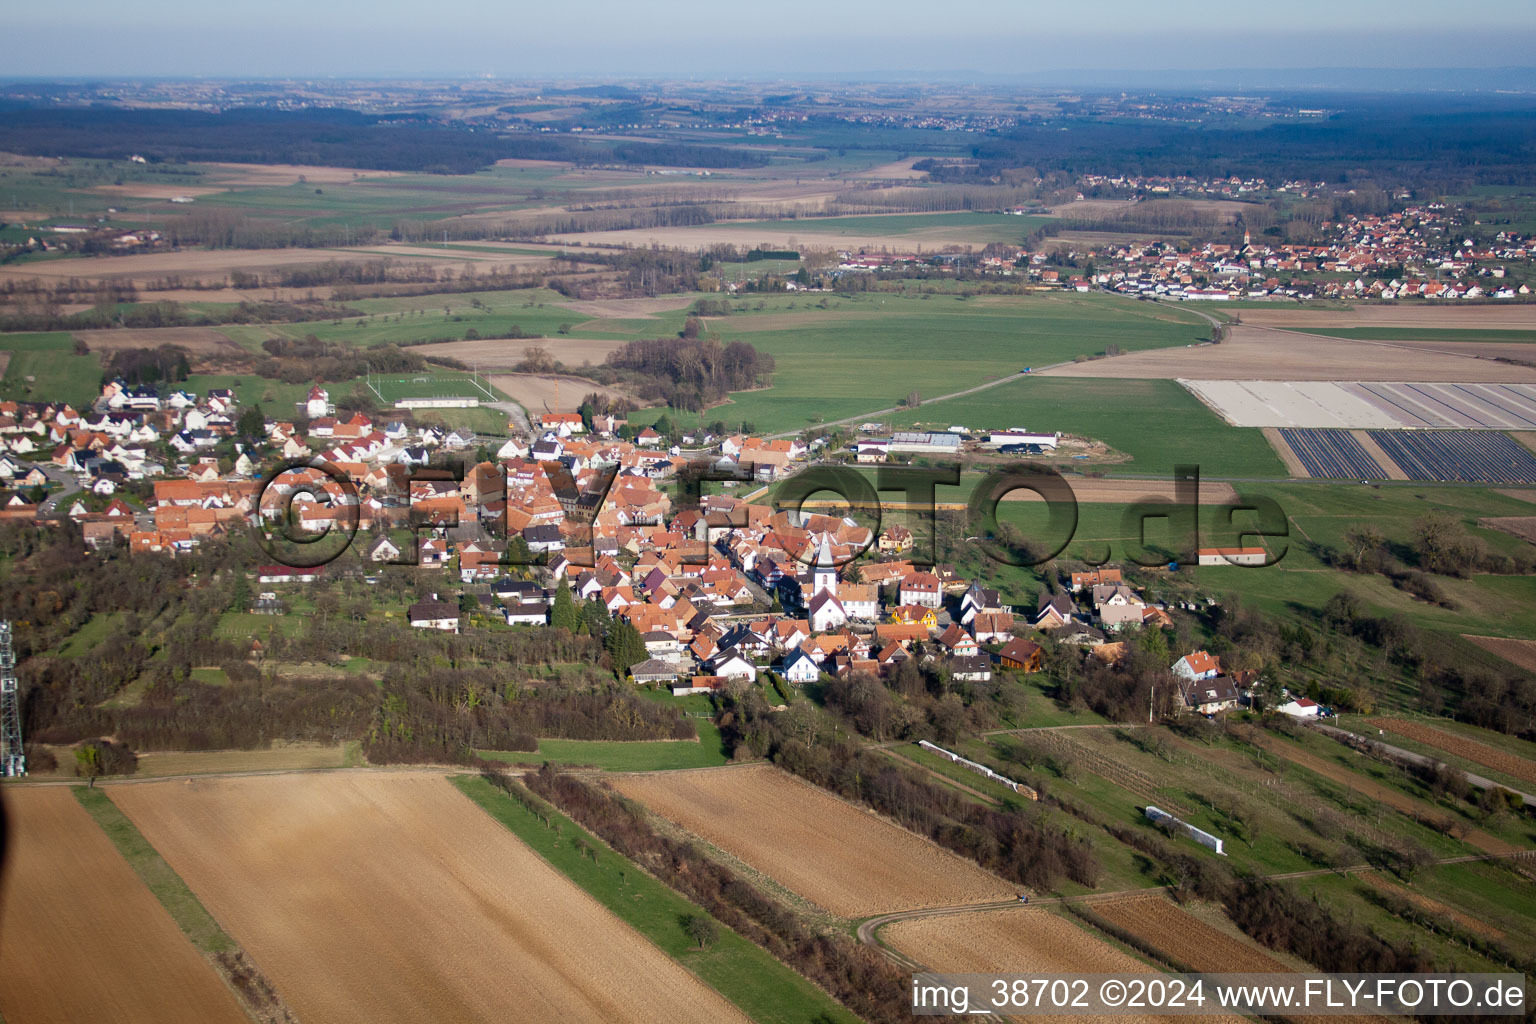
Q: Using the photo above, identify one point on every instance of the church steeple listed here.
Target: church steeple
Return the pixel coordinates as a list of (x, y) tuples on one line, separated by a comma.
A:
[(824, 575)]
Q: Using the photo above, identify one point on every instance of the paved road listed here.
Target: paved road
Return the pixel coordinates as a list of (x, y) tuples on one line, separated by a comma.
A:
[(49, 509)]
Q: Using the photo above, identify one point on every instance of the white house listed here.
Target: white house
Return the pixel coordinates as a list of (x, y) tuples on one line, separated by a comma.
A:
[(318, 404), (922, 588), (800, 668), (1197, 665), (732, 664), (383, 550)]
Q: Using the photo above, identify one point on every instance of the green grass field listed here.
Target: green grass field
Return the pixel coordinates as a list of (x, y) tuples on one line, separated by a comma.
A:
[(432, 384), (1319, 515), (869, 351), (762, 987), (95, 630), (625, 756), (57, 373), (1156, 422)]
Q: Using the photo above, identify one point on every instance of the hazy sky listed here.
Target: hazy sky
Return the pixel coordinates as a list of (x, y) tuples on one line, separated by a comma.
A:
[(679, 38)]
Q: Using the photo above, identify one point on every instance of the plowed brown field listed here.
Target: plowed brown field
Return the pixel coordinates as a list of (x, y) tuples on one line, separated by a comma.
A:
[(392, 897), (1487, 318), (1185, 937), (1516, 652), (848, 860), (1523, 527), (1472, 750), (1023, 941), (81, 936)]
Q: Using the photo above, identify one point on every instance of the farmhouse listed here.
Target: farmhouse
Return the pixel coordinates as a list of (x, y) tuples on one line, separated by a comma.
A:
[(1021, 654), (1210, 696), (434, 615), (288, 574), (1232, 556), (921, 588)]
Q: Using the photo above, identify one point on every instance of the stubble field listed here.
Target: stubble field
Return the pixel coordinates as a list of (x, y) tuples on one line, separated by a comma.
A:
[(394, 898), (537, 392), (81, 936), (493, 354), (849, 861), (1259, 353)]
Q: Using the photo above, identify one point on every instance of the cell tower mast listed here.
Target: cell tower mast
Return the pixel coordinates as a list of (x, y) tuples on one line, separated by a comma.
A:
[(13, 761)]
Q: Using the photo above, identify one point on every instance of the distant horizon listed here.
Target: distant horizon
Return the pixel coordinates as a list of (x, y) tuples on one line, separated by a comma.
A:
[(692, 38), (1513, 80)]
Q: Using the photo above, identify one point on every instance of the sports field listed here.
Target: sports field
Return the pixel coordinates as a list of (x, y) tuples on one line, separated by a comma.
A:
[(441, 384), (414, 904)]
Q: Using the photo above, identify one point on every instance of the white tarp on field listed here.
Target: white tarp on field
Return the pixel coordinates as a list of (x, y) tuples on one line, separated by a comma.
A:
[(1369, 404)]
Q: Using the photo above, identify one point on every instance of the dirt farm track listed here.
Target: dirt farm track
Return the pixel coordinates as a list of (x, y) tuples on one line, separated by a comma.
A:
[(82, 938), (847, 860), (392, 897)]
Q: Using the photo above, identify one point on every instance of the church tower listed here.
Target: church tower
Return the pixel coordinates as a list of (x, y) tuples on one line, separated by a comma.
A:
[(824, 574)]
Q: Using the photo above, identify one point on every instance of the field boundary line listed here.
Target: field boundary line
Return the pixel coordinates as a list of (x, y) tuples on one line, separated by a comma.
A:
[(234, 966), (504, 809)]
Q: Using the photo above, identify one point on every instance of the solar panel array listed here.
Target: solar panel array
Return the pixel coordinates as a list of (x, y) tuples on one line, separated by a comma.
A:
[(1332, 454), (1460, 456)]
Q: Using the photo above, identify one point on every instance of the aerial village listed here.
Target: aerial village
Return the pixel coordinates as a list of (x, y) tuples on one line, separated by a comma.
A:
[(717, 593), (1416, 253)]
